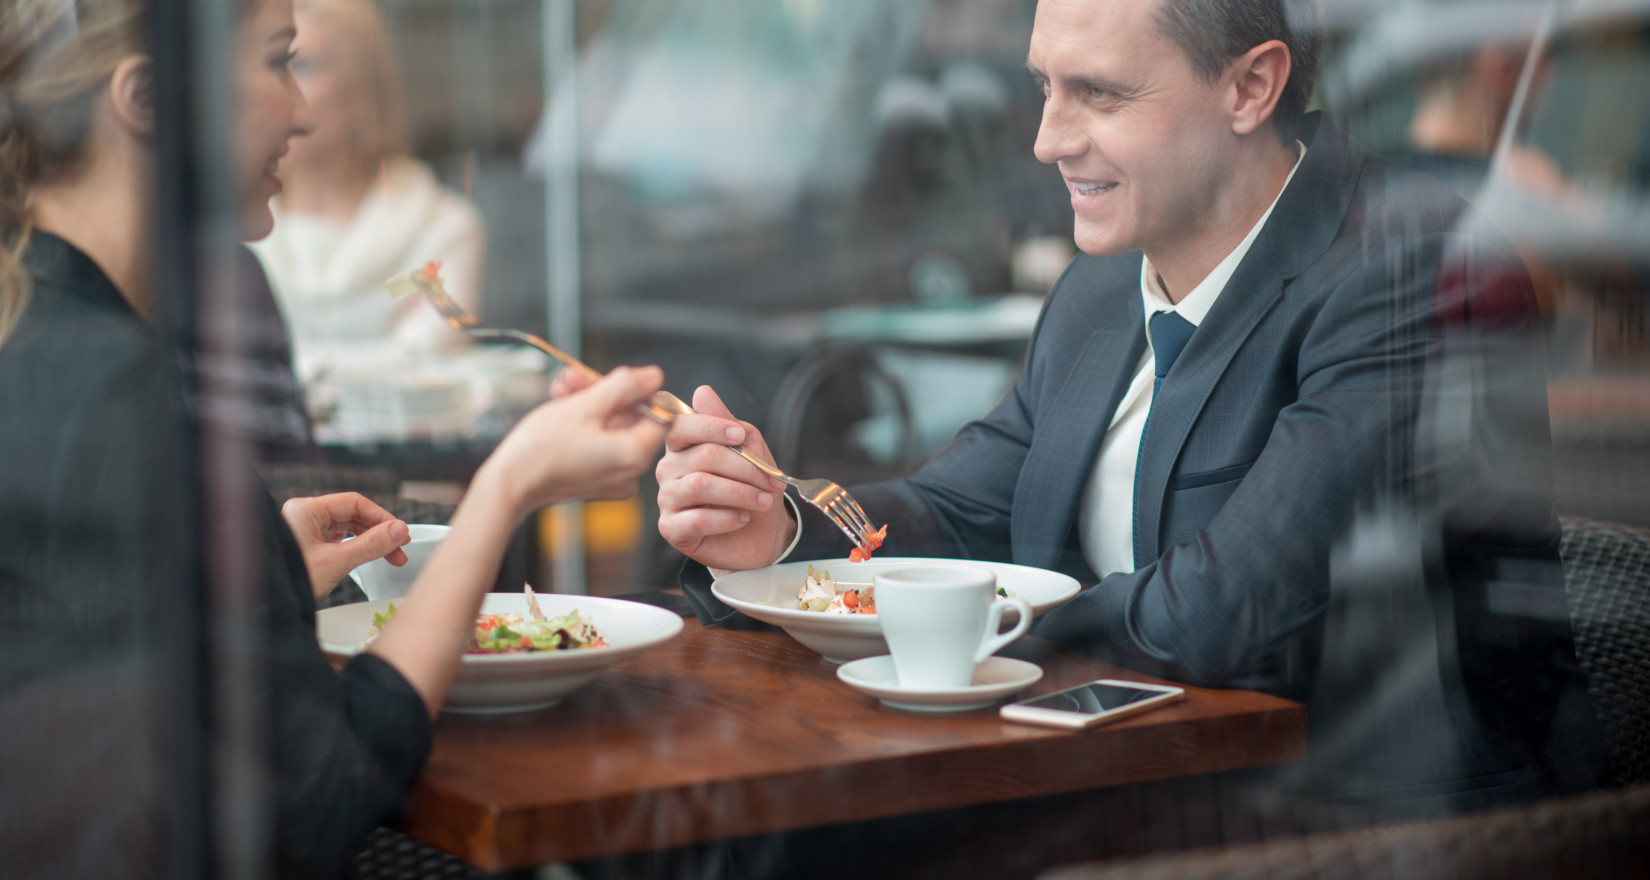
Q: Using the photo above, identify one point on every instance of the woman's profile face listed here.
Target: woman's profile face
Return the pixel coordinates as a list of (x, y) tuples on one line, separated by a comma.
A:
[(332, 87), (270, 110)]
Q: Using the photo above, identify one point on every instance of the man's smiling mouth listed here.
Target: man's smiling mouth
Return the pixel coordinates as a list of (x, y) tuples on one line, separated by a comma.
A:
[(1092, 189)]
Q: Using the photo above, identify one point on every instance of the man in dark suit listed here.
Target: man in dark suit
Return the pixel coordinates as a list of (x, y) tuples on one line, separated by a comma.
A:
[(1280, 412)]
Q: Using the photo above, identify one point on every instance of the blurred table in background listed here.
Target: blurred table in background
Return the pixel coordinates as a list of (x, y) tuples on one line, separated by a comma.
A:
[(1601, 446), (426, 416)]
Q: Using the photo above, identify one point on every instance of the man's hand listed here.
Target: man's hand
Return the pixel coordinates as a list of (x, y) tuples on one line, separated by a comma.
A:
[(321, 523), (714, 506)]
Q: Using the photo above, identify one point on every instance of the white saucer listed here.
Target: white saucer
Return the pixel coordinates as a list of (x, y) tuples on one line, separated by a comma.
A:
[(994, 679)]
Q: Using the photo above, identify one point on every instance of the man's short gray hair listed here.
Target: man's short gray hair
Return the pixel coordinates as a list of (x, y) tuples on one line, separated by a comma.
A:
[(1213, 32)]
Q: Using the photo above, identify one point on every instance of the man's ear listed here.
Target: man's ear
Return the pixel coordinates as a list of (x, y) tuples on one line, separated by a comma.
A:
[(1258, 78), (132, 92)]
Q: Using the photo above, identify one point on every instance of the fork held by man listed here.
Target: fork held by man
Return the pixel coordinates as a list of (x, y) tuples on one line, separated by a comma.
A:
[(665, 407)]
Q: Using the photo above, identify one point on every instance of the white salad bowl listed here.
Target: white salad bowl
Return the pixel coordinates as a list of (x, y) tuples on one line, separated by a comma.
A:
[(495, 683), (769, 595)]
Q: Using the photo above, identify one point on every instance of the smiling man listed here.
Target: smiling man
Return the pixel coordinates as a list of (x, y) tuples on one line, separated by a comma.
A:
[(1255, 415)]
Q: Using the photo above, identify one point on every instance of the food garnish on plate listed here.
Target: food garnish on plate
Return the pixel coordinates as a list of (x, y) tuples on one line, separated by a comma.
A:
[(511, 633), (820, 593)]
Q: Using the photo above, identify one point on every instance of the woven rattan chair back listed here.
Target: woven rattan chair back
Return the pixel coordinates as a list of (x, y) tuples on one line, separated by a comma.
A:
[(1599, 835), (1607, 577)]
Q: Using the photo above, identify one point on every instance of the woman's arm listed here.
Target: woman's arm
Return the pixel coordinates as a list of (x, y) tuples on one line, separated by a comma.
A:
[(594, 444)]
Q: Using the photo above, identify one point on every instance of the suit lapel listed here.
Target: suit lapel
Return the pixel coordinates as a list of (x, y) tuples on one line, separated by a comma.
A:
[(1301, 228), (1069, 430), (1187, 389)]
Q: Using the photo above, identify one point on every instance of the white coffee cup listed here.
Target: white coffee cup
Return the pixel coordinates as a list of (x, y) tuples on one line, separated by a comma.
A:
[(941, 620), (381, 580)]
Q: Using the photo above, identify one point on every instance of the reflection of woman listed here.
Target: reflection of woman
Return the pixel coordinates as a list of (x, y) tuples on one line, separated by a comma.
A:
[(356, 209), (99, 530)]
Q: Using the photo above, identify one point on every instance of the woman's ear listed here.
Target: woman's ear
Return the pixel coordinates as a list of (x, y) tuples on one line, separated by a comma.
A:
[(132, 92)]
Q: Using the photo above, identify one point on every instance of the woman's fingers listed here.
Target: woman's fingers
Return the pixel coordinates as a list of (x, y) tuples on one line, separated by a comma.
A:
[(383, 541), (624, 387)]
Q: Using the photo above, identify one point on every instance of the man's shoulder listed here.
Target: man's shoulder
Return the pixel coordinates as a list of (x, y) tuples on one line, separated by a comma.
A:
[(1392, 203), (1393, 200)]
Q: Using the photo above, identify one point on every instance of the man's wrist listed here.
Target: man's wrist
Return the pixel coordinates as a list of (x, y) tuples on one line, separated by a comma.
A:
[(792, 516), (793, 534)]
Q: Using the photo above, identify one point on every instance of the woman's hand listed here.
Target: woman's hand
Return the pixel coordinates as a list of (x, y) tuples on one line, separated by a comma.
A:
[(715, 507), (321, 523), (592, 442)]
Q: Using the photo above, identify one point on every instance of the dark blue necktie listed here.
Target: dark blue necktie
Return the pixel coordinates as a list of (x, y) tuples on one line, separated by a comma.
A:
[(1170, 332), (1169, 335)]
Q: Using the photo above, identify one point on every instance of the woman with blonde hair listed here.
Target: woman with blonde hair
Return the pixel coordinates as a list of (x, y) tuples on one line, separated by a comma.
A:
[(356, 208), (100, 532)]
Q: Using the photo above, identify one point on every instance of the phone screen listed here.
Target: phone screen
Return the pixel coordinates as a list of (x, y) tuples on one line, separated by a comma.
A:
[(1092, 699)]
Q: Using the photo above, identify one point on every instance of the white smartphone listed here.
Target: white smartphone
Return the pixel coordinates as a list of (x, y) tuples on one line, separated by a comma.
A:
[(1094, 703)]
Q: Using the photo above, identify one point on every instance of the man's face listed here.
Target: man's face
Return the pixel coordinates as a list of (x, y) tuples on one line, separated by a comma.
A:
[(1138, 135)]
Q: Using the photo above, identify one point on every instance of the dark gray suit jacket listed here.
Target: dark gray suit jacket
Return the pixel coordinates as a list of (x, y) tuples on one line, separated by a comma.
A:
[(1320, 406)]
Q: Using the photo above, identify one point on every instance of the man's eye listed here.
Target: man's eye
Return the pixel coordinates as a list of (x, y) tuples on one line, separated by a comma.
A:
[(283, 62)]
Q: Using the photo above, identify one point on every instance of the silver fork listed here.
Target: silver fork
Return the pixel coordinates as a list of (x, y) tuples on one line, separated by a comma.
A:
[(831, 499)]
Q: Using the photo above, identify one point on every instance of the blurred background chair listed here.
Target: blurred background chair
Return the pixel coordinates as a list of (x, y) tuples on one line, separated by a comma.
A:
[(822, 399), (1607, 577)]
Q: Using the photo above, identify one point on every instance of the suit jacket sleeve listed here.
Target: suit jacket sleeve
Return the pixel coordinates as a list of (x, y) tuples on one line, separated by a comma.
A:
[(959, 505)]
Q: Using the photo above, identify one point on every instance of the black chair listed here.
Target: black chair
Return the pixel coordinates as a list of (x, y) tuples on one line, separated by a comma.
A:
[(1607, 577), (391, 855), (1600, 835)]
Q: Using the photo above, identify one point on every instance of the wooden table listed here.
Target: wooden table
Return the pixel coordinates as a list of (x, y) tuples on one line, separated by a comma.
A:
[(722, 733)]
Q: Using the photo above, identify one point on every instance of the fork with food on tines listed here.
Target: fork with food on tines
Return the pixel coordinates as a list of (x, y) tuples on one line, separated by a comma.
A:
[(829, 497)]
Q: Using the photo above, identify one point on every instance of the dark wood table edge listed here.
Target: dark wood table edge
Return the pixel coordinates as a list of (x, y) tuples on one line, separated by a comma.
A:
[(700, 812)]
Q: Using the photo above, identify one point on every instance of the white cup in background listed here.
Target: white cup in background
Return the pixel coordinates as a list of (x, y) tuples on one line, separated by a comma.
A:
[(941, 620), (381, 580)]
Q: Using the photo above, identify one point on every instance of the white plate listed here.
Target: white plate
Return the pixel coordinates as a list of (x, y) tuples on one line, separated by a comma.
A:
[(994, 679), (490, 683), (769, 595)]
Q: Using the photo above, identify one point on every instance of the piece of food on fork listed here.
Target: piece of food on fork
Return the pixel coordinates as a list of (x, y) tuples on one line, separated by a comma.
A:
[(872, 542), (416, 281)]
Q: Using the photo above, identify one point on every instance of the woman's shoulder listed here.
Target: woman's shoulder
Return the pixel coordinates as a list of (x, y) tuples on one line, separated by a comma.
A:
[(75, 318)]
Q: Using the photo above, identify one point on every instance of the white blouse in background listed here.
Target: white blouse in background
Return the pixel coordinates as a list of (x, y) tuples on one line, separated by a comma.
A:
[(328, 276)]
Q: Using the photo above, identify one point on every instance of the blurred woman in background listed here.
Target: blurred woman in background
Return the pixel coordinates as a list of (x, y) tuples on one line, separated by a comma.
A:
[(356, 208), (102, 528)]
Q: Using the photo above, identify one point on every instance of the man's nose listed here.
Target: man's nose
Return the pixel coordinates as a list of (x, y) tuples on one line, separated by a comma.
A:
[(1058, 136)]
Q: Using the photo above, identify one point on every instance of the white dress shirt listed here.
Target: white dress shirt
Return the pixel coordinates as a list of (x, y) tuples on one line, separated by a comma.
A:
[(1105, 519)]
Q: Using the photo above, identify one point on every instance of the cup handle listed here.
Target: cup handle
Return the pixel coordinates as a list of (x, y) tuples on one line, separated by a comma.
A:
[(994, 644)]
